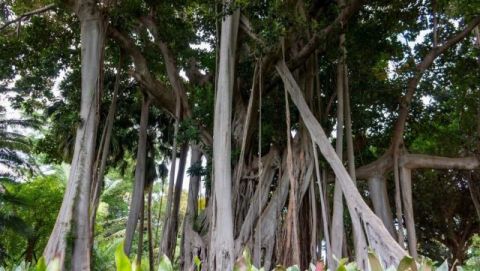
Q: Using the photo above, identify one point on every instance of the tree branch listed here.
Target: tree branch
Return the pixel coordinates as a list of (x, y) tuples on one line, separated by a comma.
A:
[(27, 15), (163, 96), (413, 161)]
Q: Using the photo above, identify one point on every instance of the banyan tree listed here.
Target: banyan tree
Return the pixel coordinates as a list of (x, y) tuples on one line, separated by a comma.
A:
[(309, 125)]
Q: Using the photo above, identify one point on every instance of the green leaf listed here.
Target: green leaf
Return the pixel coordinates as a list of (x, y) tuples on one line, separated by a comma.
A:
[(374, 262), (41, 264), (407, 264), (121, 260), (247, 256), (165, 264), (197, 262)]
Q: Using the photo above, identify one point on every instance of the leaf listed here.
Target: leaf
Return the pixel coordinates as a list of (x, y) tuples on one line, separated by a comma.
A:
[(407, 264), (41, 264), (165, 264), (121, 260), (197, 262), (54, 265), (374, 262), (247, 256), (443, 267)]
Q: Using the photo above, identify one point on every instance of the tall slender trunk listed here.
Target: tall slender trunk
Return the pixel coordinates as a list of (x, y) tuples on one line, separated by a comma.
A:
[(188, 247), (337, 219), (326, 231), (151, 260), (139, 187), (171, 179), (358, 234), (292, 248), (406, 183), (102, 155), (171, 228), (221, 243), (398, 197), (70, 238), (140, 232)]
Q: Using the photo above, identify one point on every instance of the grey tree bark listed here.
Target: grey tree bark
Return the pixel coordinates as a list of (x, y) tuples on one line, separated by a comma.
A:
[(169, 239), (377, 186), (379, 238), (70, 238), (337, 218), (221, 244), (191, 242), (358, 234), (102, 155), (139, 187)]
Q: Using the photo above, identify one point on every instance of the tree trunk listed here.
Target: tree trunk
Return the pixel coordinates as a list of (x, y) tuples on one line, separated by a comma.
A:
[(188, 249), (102, 155), (221, 244), (292, 249), (140, 232), (326, 230), (70, 238), (406, 183), (337, 219), (378, 194), (169, 239), (358, 235), (151, 260), (139, 187), (171, 181), (379, 238)]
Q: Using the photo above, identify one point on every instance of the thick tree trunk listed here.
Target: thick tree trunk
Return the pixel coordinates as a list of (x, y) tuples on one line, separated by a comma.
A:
[(379, 238), (70, 238), (221, 228), (169, 240), (378, 194), (258, 200), (139, 187)]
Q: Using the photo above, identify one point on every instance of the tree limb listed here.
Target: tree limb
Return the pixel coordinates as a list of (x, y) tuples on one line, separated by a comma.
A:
[(27, 15)]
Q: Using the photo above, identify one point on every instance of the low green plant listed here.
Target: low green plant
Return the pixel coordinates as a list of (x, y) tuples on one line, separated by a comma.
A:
[(123, 263)]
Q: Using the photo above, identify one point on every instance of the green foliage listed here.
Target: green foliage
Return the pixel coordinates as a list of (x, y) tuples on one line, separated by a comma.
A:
[(165, 264), (473, 261), (40, 199), (121, 259)]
